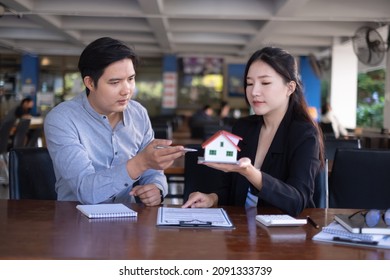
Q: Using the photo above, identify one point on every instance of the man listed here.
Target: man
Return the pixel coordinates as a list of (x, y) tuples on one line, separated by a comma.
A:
[(205, 114), (101, 142)]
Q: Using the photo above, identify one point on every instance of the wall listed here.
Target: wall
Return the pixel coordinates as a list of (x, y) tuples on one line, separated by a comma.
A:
[(311, 84)]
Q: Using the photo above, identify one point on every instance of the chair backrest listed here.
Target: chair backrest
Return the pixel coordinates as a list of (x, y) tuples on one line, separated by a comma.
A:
[(171, 119), (198, 128), (5, 130), (31, 174), (34, 136), (20, 137), (162, 130), (209, 130), (198, 177), (10, 115), (321, 191), (331, 145), (360, 179), (327, 130)]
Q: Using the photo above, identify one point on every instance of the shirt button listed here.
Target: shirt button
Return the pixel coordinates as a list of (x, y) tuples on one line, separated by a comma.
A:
[(126, 184), (116, 153)]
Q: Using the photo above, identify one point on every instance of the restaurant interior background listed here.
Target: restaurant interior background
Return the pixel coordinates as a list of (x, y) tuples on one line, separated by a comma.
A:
[(210, 44)]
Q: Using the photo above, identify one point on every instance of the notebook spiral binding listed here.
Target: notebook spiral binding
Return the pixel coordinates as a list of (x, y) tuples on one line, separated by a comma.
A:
[(110, 215), (126, 220), (350, 235)]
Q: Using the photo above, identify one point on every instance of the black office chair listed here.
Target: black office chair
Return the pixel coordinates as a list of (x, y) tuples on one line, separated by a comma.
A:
[(31, 174), (32, 141), (20, 136), (360, 179), (209, 130), (327, 130), (162, 130), (198, 177), (321, 190), (331, 145), (199, 128), (5, 130), (172, 120)]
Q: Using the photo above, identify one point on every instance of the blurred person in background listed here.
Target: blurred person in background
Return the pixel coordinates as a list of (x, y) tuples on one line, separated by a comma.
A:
[(328, 117)]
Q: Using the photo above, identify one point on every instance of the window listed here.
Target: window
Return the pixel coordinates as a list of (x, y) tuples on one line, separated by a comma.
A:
[(200, 81), (229, 153), (221, 144), (212, 152)]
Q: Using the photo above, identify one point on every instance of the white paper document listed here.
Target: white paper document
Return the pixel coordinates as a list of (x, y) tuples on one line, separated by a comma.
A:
[(193, 217)]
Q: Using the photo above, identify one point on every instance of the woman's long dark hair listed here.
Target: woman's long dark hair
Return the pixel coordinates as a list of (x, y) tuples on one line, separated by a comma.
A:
[(285, 64)]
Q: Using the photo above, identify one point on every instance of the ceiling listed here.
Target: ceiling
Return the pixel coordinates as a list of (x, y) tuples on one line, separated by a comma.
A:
[(232, 28)]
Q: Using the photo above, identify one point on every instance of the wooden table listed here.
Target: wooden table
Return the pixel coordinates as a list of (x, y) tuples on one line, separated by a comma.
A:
[(36, 122), (375, 140), (57, 230)]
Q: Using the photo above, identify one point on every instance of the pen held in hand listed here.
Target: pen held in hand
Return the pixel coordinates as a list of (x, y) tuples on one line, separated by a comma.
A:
[(185, 149), (311, 221)]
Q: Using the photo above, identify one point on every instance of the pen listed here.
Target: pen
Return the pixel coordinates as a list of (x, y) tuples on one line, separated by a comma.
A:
[(185, 149), (195, 223), (336, 238), (311, 221)]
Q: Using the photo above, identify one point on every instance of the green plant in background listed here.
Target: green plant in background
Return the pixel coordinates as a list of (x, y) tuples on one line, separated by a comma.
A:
[(149, 94), (371, 101), (371, 114)]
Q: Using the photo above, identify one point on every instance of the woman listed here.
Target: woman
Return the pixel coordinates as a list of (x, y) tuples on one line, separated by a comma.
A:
[(282, 149)]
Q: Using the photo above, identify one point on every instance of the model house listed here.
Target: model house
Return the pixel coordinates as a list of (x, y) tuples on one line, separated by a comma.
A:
[(221, 147)]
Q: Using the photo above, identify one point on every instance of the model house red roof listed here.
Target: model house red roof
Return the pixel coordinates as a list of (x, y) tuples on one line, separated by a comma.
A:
[(227, 135)]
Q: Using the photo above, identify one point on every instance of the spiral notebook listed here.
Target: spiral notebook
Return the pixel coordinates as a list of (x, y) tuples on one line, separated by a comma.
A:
[(336, 233), (117, 210)]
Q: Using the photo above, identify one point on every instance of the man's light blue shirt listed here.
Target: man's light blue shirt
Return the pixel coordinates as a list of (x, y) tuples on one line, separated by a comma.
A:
[(90, 157)]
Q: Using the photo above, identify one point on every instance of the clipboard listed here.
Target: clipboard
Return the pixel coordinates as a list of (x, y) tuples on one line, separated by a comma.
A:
[(193, 218)]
